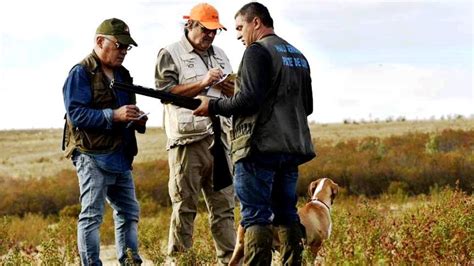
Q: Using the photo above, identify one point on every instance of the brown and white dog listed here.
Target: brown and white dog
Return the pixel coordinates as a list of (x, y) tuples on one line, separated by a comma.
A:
[(315, 216)]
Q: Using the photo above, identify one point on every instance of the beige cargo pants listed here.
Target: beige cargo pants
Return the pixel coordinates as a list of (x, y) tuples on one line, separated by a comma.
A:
[(190, 174)]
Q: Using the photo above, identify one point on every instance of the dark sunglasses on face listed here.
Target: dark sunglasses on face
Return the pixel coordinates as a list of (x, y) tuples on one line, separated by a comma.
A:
[(208, 31), (120, 46)]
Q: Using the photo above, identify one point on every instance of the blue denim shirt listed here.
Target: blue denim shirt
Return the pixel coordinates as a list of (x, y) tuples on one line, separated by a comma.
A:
[(77, 99)]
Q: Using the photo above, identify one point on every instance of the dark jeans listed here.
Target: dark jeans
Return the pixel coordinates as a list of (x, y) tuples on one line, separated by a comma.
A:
[(266, 188)]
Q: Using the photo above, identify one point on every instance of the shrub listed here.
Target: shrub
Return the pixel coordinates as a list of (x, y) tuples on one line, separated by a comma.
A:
[(151, 181), (363, 166), (397, 188), (368, 166), (50, 195), (434, 230), (70, 211)]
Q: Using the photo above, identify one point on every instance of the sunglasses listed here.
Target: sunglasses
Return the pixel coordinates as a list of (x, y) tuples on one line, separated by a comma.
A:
[(120, 46), (208, 31)]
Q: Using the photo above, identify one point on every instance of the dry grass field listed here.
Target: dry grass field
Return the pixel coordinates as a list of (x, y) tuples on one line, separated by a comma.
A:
[(435, 229), (37, 153), (405, 197)]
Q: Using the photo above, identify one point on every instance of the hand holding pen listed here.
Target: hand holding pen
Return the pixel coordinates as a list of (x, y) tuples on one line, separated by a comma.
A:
[(143, 116)]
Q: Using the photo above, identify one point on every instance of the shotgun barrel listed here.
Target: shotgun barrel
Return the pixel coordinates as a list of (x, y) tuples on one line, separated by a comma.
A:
[(165, 97)]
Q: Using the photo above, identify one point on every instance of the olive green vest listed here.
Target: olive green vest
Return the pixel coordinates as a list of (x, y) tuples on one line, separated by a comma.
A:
[(98, 140), (281, 124)]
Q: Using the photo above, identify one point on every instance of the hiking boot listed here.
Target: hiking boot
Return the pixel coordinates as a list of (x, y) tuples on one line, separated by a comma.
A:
[(258, 245), (291, 240)]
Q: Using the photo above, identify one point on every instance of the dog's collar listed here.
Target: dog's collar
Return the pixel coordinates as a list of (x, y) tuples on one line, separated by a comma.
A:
[(318, 200)]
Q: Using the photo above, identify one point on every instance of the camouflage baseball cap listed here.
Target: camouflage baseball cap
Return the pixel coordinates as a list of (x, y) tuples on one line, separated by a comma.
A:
[(116, 28)]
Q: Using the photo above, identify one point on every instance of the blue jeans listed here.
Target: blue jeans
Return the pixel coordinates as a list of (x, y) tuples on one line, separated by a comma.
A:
[(96, 186), (266, 188)]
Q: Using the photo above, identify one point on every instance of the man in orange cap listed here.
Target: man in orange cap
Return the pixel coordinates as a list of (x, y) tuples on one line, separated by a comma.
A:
[(190, 67)]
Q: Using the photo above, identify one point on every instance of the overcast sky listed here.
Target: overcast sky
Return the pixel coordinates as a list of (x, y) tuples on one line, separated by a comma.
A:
[(369, 59)]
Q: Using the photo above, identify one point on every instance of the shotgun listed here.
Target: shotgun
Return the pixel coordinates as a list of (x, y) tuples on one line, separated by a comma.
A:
[(165, 97), (221, 174)]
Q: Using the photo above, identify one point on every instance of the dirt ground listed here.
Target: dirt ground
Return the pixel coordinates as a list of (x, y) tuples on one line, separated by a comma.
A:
[(109, 258)]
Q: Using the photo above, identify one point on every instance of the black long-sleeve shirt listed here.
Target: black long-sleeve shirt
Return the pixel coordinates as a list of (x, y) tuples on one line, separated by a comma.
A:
[(255, 77)]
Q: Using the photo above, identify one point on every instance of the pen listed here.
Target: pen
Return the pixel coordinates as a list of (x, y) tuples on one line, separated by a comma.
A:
[(138, 118)]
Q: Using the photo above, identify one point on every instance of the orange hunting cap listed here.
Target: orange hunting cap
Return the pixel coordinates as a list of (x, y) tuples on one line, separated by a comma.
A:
[(207, 15)]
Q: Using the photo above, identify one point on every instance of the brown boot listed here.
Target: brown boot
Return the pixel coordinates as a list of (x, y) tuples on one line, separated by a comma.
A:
[(258, 245)]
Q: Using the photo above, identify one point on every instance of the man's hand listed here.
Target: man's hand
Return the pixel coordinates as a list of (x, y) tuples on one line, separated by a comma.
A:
[(142, 120), (126, 113), (227, 87), (203, 109), (213, 75)]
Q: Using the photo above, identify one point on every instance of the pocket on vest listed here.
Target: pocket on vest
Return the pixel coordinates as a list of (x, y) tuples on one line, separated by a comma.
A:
[(188, 123), (95, 141), (193, 74)]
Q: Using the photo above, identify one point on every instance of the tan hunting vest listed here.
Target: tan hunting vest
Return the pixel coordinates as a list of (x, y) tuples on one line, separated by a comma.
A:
[(181, 126)]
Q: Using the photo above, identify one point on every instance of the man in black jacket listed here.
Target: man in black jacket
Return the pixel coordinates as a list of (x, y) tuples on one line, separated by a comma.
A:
[(270, 138)]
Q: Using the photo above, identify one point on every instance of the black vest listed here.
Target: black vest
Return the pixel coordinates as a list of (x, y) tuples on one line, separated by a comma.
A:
[(281, 125)]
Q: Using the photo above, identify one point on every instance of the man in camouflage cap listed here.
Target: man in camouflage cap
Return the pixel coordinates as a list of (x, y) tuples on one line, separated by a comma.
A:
[(101, 144), (118, 29)]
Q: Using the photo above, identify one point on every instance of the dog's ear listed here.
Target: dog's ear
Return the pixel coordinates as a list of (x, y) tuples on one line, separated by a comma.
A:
[(312, 187), (334, 191)]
